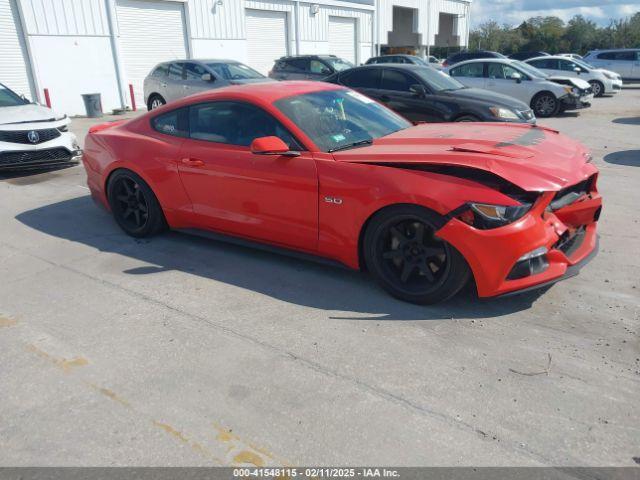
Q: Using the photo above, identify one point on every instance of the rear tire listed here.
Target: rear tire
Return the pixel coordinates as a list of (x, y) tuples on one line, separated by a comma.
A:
[(545, 105), (155, 101), (405, 257), (597, 87), (134, 205), (467, 118)]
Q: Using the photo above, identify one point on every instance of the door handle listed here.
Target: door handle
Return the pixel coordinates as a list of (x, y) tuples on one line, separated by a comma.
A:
[(192, 162), (163, 85)]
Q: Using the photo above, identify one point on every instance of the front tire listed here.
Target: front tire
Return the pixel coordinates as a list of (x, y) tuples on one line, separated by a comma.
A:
[(155, 101), (597, 88), (545, 105), (405, 257), (134, 205)]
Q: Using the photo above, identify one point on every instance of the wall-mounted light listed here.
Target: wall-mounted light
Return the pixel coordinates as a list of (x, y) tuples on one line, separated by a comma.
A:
[(315, 8)]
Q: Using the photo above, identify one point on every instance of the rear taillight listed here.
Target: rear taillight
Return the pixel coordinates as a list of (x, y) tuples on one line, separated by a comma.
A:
[(445, 64)]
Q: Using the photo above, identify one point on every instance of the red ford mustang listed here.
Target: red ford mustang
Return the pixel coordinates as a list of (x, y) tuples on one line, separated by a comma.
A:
[(324, 170)]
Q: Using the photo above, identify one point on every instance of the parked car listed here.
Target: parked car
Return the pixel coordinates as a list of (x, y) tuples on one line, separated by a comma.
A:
[(513, 78), (308, 67), (170, 81), (463, 56), (625, 62), (33, 136), (422, 94), (401, 58), (569, 55), (527, 54), (601, 83), (326, 171)]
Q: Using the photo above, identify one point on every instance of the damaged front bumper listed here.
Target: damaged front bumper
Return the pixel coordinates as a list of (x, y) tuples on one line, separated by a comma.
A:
[(576, 101), (544, 246)]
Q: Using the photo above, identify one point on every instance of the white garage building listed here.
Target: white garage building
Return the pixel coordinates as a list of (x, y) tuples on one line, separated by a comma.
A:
[(63, 48)]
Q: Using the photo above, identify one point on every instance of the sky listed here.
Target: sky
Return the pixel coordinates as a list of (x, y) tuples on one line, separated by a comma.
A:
[(515, 11)]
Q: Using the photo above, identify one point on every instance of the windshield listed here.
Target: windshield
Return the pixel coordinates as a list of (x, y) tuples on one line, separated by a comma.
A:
[(582, 63), (8, 98), (338, 64), (438, 81), (419, 61), (338, 119), (530, 69), (234, 71)]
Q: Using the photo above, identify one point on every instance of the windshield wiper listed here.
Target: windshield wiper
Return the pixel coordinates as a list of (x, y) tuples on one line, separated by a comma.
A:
[(352, 145)]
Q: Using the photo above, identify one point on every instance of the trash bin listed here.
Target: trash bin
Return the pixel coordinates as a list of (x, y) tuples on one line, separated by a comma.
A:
[(92, 104)]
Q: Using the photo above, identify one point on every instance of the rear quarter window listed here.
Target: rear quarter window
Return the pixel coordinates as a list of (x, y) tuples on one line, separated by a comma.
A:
[(174, 123)]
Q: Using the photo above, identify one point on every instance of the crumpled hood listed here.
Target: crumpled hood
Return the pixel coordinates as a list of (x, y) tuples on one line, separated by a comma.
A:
[(578, 82), (29, 113), (533, 158)]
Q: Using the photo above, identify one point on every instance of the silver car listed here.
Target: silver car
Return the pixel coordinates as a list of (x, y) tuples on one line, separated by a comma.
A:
[(623, 61), (170, 81)]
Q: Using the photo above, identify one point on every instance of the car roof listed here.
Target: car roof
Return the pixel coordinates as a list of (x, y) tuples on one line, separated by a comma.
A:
[(600, 50), (489, 59), (401, 66), (200, 60), (268, 92)]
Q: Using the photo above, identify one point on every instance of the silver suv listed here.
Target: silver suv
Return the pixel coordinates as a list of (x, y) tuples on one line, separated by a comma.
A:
[(170, 81), (624, 61)]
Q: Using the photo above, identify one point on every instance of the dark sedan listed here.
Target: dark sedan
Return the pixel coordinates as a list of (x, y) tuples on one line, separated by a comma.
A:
[(422, 94)]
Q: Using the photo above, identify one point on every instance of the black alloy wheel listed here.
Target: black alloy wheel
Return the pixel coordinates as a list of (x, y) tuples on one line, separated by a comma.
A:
[(134, 205), (409, 260)]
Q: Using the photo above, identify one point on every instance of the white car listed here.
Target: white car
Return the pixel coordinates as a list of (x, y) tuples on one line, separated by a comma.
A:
[(570, 55), (602, 82), (544, 95), (33, 136), (625, 62)]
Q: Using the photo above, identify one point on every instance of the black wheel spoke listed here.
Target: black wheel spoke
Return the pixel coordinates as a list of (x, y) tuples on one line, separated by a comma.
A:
[(131, 204), (391, 254), (396, 233), (407, 268), (136, 213), (142, 207), (425, 270), (127, 212), (419, 235)]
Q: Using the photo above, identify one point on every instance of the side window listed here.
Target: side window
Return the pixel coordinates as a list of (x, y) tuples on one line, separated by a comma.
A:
[(363, 78), (607, 56), (316, 66), (235, 123), (626, 56), (568, 66), (172, 123), (175, 71), (501, 71), (298, 65), (161, 71), (395, 80), (193, 71), (474, 70), (544, 63)]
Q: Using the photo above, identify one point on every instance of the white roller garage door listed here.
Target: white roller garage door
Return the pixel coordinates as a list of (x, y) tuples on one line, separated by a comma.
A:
[(13, 65), (150, 31), (342, 38), (266, 38)]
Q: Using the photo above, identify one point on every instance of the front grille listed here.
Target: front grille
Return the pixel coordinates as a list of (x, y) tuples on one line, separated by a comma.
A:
[(568, 195), (22, 136), (25, 158), (570, 242)]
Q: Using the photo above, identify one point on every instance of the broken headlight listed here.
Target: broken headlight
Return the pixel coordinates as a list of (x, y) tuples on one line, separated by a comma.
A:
[(485, 216)]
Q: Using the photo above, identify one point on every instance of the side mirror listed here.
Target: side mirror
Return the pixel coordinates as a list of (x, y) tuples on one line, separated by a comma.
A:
[(578, 70), (418, 90), (206, 77), (517, 77), (325, 71), (271, 146)]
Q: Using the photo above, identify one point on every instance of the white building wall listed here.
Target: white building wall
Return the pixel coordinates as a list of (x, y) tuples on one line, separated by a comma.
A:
[(74, 51), (71, 52)]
